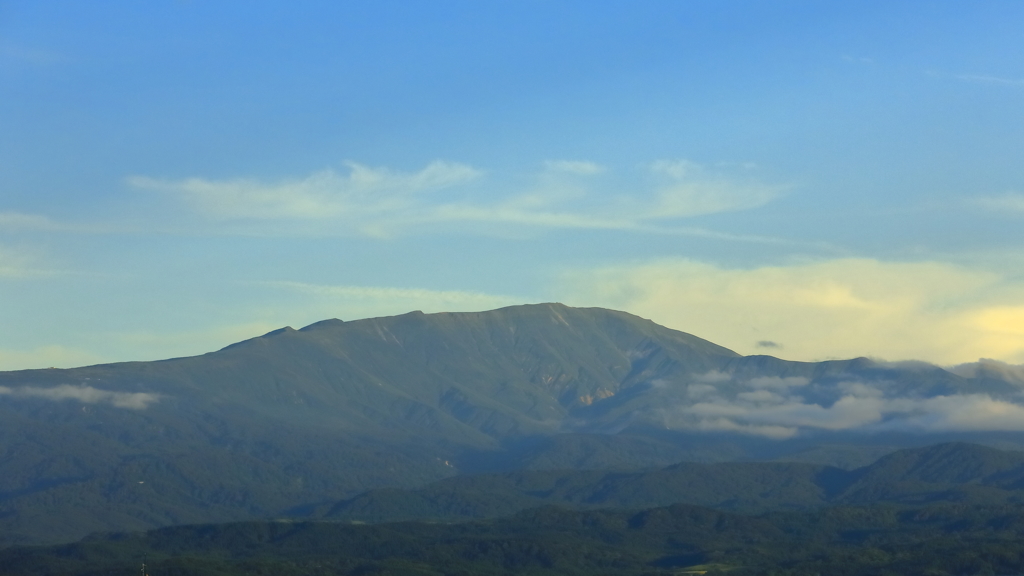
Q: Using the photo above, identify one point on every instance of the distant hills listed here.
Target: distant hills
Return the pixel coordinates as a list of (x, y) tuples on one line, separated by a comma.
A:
[(937, 540), (954, 472), (296, 421)]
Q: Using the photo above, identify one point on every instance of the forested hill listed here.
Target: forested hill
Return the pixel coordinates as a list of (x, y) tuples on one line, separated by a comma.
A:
[(944, 540), (954, 472)]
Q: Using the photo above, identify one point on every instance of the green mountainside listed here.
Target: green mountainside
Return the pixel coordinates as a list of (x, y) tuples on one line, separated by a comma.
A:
[(294, 421)]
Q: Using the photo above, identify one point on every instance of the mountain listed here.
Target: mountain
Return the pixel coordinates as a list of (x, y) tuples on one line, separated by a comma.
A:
[(296, 420)]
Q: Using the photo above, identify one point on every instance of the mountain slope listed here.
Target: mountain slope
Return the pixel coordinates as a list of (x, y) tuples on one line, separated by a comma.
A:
[(300, 416)]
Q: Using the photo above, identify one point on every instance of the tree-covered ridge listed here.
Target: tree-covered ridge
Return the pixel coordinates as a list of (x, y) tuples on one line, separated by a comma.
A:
[(955, 472), (937, 540)]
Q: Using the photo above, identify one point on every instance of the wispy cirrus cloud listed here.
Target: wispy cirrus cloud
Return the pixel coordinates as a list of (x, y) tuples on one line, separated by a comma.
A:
[(567, 194), (17, 222), (19, 263), (324, 195), (579, 167), (12, 266), (680, 190), (689, 190), (1012, 202), (989, 79), (83, 394)]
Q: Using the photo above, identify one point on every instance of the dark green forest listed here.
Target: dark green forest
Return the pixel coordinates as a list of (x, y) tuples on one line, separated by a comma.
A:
[(931, 540)]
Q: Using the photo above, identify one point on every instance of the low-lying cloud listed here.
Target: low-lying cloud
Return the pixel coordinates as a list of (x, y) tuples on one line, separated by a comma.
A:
[(85, 395), (784, 407), (987, 367)]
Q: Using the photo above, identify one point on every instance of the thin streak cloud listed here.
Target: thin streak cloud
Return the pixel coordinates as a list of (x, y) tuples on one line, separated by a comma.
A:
[(987, 79), (19, 264), (17, 222), (1012, 202), (578, 167), (690, 191), (85, 395), (324, 195), (382, 202)]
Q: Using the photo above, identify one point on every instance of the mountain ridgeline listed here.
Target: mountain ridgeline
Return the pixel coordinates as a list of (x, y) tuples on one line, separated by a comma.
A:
[(295, 421)]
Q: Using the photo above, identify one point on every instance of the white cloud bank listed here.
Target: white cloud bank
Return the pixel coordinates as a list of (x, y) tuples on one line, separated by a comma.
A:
[(384, 202), (84, 394), (841, 308), (792, 405)]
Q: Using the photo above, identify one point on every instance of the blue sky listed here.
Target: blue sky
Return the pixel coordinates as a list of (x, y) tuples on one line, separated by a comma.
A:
[(805, 179)]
